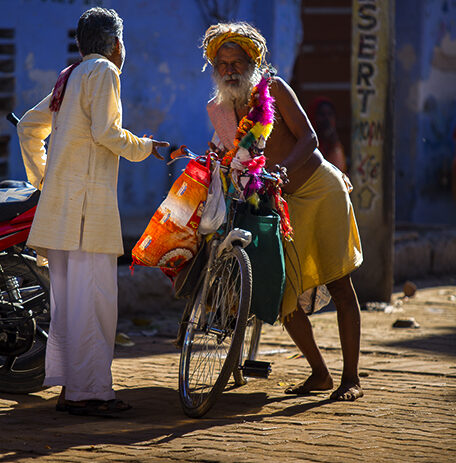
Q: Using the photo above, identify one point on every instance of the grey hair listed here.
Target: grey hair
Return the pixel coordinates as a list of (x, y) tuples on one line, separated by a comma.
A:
[(98, 29)]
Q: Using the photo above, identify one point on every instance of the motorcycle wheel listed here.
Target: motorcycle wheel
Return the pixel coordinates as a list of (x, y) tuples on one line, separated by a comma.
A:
[(25, 373)]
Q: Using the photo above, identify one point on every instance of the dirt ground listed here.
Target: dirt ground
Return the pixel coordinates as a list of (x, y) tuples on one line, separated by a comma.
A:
[(408, 413)]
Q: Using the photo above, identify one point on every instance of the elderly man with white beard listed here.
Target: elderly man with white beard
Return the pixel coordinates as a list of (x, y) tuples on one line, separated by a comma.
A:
[(326, 247)]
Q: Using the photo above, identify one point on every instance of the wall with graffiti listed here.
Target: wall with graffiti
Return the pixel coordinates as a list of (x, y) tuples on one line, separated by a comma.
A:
[(425, 111), (371, 169), (370, 84), (164, 92)]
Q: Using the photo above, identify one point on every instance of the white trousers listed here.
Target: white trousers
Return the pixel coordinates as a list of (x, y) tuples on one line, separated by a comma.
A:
[(81, 339)]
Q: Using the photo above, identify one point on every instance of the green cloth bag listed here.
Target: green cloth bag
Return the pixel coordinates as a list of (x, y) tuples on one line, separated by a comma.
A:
[(266, 257)]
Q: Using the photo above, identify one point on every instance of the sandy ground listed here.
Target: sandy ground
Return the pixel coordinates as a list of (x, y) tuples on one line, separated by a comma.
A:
[(408, 412)]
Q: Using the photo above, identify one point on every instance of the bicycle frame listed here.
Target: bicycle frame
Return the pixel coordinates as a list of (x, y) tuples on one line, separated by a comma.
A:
[(212, 332), (221, 240)]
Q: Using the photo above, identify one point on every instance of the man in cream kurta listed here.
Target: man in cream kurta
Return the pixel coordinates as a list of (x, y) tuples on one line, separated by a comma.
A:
[(77, 224)]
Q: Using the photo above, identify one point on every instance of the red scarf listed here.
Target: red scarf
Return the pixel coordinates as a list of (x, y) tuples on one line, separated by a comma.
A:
[(60, 86)]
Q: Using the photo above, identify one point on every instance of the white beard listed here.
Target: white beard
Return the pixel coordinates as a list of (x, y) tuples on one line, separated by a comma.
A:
[(237, 95)]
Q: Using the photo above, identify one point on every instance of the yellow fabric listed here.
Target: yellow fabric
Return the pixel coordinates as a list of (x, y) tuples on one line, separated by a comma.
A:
[(326, 244), (248, 45), (80, 172)]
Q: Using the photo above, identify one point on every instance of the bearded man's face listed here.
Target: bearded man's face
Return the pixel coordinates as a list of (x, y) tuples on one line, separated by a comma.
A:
[(235, 75)]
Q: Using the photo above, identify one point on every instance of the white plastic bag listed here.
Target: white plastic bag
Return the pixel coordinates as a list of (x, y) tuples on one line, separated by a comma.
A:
[(214, 211), (314, 299)]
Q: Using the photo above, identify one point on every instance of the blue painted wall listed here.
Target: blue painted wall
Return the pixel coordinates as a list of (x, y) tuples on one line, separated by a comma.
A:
[(164, 92), (425, 110)]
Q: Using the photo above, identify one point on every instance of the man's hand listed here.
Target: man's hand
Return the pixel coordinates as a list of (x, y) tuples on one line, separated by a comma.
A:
[(282, 171), (157, 144)]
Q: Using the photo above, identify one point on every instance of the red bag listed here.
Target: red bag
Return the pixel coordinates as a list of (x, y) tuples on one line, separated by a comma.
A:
[(170, 238)]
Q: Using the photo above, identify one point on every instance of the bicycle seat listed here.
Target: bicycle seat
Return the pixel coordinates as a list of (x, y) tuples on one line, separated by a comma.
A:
[(15, 201), (235, 236)]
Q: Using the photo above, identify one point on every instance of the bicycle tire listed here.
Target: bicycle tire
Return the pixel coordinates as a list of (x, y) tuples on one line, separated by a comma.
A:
[(249, 349), (215, 332), (28, 370)]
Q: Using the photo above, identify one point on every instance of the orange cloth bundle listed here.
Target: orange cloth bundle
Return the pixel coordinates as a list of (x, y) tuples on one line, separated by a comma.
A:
[(170, 238)]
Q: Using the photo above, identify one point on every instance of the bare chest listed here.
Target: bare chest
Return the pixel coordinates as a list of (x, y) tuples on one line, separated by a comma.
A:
[(280, 142)]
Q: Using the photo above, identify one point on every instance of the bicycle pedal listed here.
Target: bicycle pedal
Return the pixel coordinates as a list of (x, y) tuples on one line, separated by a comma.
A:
[(255, 368)]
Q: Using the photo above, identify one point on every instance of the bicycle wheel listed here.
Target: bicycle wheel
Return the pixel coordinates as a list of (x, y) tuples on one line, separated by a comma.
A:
[(215, 332), (249, 348)]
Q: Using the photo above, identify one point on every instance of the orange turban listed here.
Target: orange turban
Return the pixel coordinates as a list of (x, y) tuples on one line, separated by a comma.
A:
[(247, 44)]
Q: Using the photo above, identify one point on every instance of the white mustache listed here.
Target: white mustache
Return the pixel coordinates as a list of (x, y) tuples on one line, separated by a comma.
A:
[(226, 77), (226, 93)]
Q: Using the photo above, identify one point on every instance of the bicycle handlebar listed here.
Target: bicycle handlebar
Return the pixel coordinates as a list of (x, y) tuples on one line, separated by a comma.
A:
[(263, 175), (184, 153)]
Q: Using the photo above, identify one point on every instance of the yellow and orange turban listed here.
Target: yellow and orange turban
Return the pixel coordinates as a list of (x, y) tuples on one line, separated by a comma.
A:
[(247, 44)]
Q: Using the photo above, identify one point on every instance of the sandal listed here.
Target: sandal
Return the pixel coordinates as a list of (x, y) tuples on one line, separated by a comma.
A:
[(62, 404), (107, 408), (62, 407)]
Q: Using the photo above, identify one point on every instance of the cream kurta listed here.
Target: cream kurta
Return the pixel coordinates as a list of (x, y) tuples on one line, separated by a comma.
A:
[(80, 174)]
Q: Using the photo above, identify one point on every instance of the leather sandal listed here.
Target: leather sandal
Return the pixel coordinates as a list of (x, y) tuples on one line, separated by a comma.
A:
[(61, 407), (106, 408)]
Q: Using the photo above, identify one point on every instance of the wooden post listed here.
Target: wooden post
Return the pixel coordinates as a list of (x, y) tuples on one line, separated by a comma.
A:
[(372, 166)]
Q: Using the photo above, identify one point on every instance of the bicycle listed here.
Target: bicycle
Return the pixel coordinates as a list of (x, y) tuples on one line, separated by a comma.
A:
[(218, 335)]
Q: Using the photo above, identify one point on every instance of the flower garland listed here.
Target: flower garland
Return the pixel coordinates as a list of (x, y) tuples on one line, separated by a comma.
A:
[(255, 128), (247, 154)]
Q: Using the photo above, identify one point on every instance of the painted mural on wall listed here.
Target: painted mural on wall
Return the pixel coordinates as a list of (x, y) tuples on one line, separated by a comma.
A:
[(369, 87), (371, 171)]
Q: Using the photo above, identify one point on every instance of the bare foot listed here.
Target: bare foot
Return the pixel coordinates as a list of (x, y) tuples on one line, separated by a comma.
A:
[(347, 391), (313, 383)]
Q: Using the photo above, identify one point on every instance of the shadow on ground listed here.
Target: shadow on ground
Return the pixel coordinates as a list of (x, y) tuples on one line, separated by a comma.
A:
[(444, 343), (145, 346), (34, 428)]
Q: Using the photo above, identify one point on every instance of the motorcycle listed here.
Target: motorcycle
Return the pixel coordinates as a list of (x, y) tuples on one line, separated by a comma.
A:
[(24, 292)]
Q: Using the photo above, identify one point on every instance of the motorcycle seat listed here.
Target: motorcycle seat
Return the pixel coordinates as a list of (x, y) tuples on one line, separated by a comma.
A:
[(15, 200)]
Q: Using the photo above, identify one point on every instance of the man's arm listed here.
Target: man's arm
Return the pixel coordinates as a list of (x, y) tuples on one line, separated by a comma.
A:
[(295, 118), (106, 115), (33, 128)]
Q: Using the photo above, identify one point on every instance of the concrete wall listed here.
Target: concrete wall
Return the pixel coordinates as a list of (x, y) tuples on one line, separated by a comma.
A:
[(425, 110), (164, 92)]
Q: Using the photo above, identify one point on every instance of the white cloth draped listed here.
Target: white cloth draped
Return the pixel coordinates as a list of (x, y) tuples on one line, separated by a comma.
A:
[(83, 323)]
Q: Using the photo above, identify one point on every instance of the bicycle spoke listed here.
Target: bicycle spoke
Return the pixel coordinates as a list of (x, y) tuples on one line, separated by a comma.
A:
[(207, 363), (208, 353)]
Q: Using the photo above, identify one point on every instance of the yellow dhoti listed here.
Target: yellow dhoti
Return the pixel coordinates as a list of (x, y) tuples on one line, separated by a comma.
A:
[(326, 244)]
